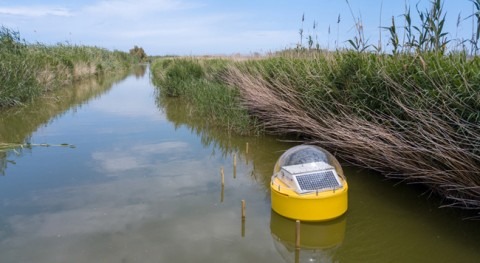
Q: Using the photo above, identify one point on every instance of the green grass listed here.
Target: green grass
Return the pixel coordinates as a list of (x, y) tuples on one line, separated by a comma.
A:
[(413, 114), (30, 70), (411, 117), (364, 82), (199, 83)]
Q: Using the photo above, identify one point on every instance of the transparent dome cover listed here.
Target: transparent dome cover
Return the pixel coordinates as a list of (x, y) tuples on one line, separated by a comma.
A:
[(308, 155)]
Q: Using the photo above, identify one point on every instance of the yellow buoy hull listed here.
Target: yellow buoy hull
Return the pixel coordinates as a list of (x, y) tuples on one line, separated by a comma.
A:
[(314, 206)]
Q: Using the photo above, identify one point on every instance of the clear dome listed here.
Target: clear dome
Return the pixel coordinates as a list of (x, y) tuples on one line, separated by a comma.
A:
[(307, 155)]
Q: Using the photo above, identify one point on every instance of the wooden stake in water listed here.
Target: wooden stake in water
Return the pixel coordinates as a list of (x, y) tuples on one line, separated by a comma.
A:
[(243, 218), (234, 165), (297, 241), (246, 148), (243, 209), (297, 234), (222, 194), (223, 176), (297, 255), (243, 228)]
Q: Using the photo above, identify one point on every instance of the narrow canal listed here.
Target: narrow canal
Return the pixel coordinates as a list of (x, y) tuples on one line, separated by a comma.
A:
[(141, 183)]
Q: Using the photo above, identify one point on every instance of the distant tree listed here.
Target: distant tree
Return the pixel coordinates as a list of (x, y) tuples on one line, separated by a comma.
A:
[(138, 53)]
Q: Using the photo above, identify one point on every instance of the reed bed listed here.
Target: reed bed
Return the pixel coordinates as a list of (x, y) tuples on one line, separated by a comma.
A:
[(404, 130), (29, 70), (413, 118), (413, 114)]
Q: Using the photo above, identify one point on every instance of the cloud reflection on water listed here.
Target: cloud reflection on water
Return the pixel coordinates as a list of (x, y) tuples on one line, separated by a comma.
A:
[(154, 210), (138, 156)]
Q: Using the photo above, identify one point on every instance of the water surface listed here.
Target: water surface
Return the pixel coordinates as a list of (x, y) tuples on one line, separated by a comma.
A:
[(143, 185)]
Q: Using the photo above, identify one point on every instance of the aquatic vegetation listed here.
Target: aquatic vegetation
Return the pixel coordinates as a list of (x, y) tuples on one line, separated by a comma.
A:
[(12, 146)]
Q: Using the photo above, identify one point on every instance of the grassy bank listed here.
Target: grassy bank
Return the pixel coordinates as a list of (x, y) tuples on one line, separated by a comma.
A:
[(415, 118), (199, 83), (29, 70), (413, 114)]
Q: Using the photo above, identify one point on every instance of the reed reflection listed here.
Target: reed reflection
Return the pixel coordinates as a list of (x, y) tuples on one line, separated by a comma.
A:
[(17, 124), (260, 153)]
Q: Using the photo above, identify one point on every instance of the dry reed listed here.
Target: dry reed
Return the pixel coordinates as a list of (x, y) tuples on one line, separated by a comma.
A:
[(433, 146)]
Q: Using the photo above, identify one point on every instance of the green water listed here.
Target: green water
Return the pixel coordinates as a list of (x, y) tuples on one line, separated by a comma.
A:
[(143, 185)]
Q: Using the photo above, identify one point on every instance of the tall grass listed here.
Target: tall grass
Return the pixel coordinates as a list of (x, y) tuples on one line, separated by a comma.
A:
[(198, 83), (413, 115), (412, 120), (29, 70), (17, 83), (415, 118)]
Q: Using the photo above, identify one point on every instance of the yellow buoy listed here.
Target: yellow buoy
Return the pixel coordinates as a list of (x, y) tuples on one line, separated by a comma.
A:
[(308, 184)]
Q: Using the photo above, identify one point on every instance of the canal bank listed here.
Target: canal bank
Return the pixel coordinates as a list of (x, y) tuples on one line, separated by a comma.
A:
[(143, 184), (367, 108)]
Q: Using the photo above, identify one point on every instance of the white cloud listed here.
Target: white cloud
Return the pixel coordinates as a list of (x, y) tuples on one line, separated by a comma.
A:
[(160, 148), (137, 8), (138, 157), (35, 11), (114, 164), (82, 220), (160, 27)]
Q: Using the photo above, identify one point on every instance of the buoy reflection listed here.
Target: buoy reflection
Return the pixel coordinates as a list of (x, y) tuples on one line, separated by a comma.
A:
[(319, 241)]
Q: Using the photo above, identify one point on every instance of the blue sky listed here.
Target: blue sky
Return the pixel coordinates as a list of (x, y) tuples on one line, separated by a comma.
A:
[(198, 27)]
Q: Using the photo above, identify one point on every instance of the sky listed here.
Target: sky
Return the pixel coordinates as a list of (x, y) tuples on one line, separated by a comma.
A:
[(214, 27)]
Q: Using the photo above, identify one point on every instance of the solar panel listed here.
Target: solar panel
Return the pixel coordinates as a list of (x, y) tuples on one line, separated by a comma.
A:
[(317, 181)]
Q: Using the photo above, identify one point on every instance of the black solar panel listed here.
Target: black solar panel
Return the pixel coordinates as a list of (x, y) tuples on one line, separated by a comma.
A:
[(317, 181)]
